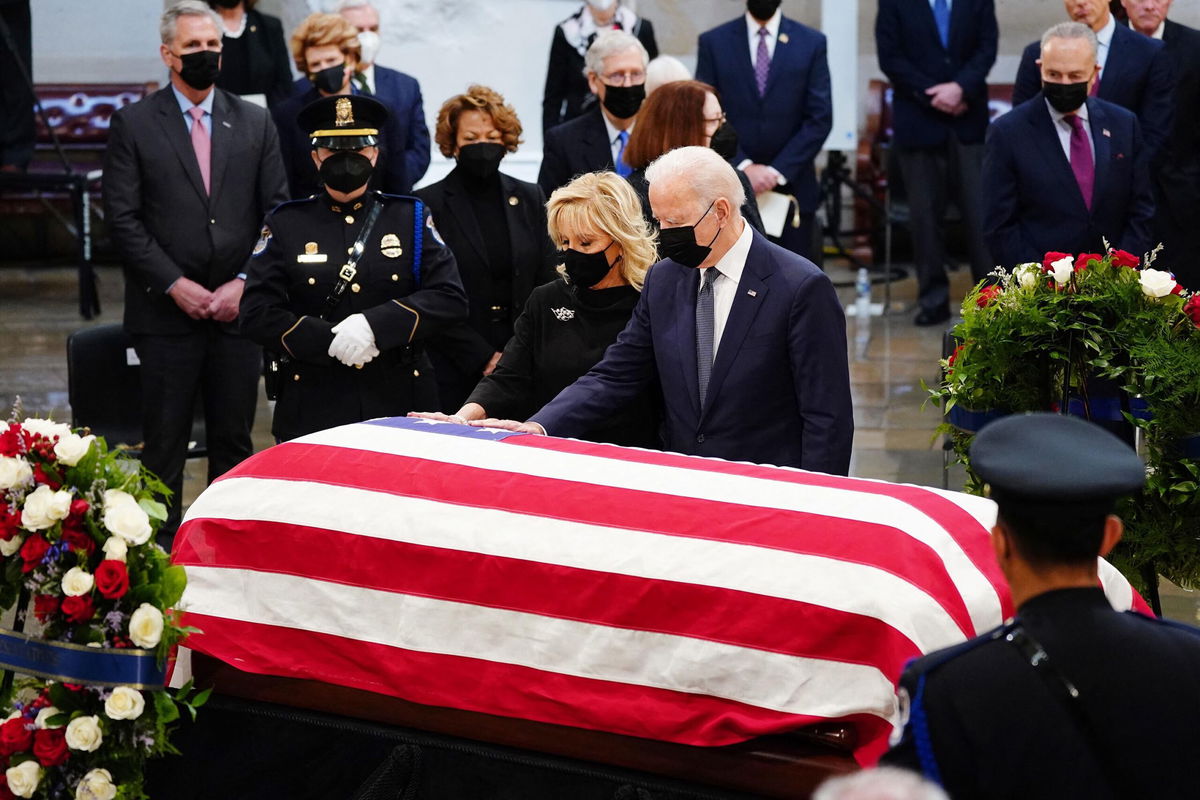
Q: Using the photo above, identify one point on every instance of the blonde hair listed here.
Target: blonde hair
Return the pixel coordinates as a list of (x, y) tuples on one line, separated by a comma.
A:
[(604, 202), (322, 30)]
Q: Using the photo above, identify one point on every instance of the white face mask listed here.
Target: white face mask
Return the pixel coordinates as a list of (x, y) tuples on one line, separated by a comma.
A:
[(370, 42)]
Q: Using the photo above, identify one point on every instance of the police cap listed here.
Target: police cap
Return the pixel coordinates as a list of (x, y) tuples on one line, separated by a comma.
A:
[(343, 122)]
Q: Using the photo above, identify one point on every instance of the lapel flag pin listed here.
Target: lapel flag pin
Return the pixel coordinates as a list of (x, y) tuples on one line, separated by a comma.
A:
[(1105, 132), (783, 38), (226, 124), (752, 293)]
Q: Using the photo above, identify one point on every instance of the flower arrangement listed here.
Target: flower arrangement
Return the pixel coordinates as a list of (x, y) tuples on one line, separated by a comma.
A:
[(77, 524), (1117, 339)]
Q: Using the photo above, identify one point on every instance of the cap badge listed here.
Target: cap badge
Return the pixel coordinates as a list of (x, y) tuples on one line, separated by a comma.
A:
[(345, 113)]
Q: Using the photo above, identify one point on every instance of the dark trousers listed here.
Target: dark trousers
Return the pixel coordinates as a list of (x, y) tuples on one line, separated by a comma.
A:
[(931, 174), (798, 238), (16, 101), (219, 368)]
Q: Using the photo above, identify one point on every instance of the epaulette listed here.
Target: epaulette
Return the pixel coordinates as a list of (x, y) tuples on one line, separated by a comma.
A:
[(928, 663), (297, 201), (1170, 623), (386, 196)]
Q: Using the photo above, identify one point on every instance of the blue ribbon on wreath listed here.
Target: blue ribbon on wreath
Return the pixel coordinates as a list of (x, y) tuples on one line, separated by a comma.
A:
[(74, 663)]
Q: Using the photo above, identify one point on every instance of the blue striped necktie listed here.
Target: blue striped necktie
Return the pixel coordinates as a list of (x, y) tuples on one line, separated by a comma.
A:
[(623, 169), (941, 16), (704, 332)]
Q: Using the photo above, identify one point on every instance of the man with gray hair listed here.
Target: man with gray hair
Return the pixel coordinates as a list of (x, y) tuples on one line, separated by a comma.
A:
[(616, 73), (746, 339), (1065, 171), (189, 174)]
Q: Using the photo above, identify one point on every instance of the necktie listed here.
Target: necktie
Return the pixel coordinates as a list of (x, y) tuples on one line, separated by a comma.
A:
[(361, 81), (762, 61), (202, 145), (622, 168), (704, 332), (1082, 163), (941, 16), (1095, 90)]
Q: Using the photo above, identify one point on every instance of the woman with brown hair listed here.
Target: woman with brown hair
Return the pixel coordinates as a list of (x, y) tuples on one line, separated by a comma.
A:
[(496, 227), (680, 114)]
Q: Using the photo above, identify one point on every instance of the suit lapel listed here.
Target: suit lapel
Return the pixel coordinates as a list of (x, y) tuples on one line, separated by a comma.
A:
[(514, 217), (595, 141), (460, 206), (224, 130), (743, 60), (686, 291), (1113, 73), (784, 46), (1048, 143), (176, 132), (959, 14), (1102, 142), (750, 295)]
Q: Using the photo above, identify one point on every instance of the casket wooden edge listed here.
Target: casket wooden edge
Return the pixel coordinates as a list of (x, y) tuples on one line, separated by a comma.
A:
[(788, 766)]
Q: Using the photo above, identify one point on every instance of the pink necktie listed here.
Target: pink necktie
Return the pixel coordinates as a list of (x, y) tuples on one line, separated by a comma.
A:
[(1082, 163), (202, 145)]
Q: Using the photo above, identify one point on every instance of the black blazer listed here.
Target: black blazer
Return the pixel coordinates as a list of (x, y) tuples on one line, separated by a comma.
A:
[(163, 224), (1136, 76), (573, 148), (264, 66), (465, 345), (912, 56), (1179, 171)]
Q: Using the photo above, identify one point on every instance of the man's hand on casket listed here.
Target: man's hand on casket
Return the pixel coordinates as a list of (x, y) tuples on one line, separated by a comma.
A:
[(509, 425)]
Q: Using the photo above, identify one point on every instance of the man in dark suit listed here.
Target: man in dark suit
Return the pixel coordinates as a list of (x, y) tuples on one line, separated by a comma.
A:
[(1072, 698), (1064, 171), (773, 77), (1134, 72), (189, 174), (937, 57), (616, 74), (747, 339), (1177, 178)]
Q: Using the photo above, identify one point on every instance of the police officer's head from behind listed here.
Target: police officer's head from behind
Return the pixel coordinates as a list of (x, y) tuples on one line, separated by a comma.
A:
[(1055, 480), (344, 133)]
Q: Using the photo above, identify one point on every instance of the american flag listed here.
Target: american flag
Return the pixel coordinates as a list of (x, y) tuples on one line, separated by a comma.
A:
[(650, 594)]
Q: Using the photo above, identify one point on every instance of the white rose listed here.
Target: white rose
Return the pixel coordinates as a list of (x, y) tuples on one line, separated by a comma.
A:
[(77, 582), (46, 427), (73, 447), (1062, 269), (83, 733), (1028, 275), (9, 547), (96, 785), (24, 778), (125, 518), (46, 713), (14, 471), (44, 507), (124, 703), (115, 548), (146, 625), (1156, 282)]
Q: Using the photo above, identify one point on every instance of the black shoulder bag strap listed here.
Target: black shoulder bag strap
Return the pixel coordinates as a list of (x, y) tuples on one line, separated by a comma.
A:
[(1064, 691), (350, 268)]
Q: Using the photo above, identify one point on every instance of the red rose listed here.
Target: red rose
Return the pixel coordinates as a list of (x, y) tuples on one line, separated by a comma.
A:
[(10, 521), (10, 440), (15, 736), (79, 507), (78, 609), (1050, 258), (112, 579), (1121, 258), (1082, 262), (50, 746), (41, 476), (1178, 288), (1192, 309), (32, 551), (45, 606), (78, 538), (986, 295)]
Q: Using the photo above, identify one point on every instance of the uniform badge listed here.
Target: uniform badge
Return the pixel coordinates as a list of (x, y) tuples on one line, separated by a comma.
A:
[(389, 245), (263, 239), (563, 314), (434, 231), (311, 256)]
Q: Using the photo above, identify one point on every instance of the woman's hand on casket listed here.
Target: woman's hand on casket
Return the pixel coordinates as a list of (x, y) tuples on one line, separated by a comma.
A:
[(438, 416), (509, 425)]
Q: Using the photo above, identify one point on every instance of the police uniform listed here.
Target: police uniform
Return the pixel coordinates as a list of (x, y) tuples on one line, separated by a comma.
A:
[(406, 285), (1071, 699)]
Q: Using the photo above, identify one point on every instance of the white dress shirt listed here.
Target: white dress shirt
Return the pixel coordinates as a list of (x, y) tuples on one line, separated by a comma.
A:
[(185, 104), (614, 136), (1104, 39), (772, 26), (729, 270), (1063, 129)]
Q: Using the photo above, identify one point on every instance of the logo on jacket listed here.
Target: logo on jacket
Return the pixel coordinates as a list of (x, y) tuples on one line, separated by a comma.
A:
[(563, 314), (263, 239), (389, 245)]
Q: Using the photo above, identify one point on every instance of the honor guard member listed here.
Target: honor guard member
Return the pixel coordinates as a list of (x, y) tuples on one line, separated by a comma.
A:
[(1071, 698), (344, 285)]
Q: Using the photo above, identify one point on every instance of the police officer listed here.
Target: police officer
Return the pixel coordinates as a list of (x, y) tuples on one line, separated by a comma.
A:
[(1071, 698), (344, 285)]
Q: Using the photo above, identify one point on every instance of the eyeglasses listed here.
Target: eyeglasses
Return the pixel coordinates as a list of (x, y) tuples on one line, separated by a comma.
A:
[(718, 121), (624, 78)]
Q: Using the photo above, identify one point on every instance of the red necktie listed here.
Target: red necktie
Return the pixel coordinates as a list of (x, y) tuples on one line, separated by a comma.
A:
[(1082, 163), (202, 145)]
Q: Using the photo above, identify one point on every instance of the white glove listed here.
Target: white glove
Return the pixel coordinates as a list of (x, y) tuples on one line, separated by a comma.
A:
[(353, 341)]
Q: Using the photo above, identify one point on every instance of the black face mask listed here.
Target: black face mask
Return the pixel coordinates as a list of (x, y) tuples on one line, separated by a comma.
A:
[(331, 79), (226, 3), (1065, 97), (725, 141), (679, 244), (481, 160), (762, 9), (624, 101), (587, 269), (200, 70), (346, 170)]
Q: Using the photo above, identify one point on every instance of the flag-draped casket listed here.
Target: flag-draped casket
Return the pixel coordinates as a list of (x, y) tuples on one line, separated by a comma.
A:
[(649, 594)]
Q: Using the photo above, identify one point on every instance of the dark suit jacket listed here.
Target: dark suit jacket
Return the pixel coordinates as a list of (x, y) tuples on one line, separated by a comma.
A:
[(163, 224), (1179, 172), (404, 144), (266, 68), (1136, 76), (779, 392), (912, 56), (1032, 203), (573, 148), (464, 344), (788, 125)]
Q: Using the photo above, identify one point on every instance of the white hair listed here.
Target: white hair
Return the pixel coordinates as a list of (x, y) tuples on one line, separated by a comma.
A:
[(608, 44), (881, 783), (701, 172), (344, 4), (185, 8), (665, 69), (1072, 30)]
